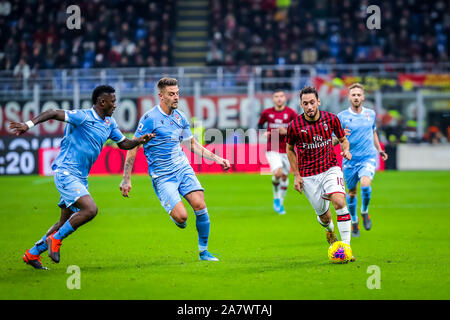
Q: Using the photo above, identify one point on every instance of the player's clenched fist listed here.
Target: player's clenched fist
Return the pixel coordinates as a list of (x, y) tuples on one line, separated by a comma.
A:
[(125, 187), (298, 184), (225, 164), (346, 154)]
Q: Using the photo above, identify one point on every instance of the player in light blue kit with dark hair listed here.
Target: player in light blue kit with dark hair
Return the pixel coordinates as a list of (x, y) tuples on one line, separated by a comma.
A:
[(359, 124), (172, 175), (84, 135)]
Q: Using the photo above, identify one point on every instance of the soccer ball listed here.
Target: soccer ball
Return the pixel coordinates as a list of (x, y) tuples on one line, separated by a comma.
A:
[(339, 252)]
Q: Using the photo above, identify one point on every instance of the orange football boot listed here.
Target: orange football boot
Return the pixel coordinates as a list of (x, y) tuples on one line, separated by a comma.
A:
[(33, 260), (53, 247)]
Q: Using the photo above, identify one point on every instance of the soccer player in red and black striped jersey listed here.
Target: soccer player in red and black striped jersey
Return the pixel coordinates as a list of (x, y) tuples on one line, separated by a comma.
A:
[(277, 119), (316, 170)]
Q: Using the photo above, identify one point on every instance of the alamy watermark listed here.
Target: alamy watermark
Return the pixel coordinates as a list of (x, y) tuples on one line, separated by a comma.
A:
[(74, 280), (74, 20), (374, 280), (374, 20)]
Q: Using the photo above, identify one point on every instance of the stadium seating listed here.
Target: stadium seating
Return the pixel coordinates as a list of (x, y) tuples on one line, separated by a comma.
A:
[(252, 32), (320, 31), (112, 34)]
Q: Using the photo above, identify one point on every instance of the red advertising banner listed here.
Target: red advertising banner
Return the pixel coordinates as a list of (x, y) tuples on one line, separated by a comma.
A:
[(249, 158)]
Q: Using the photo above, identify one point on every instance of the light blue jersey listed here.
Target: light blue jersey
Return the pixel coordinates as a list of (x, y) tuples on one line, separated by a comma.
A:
[(362, 126), (364, 154), (172, 175), (163, 152), (84, 136)]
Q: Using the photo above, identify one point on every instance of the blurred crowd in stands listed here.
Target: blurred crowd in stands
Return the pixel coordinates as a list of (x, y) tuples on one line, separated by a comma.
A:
[(327, 31), (118, 33), (113, 33)]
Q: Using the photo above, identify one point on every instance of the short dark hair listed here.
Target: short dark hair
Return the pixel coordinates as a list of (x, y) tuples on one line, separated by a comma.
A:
[(166, 82), (308, 90), (98, 91), (278, 90)]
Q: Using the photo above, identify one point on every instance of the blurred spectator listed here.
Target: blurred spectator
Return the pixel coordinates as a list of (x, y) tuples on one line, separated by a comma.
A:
[(214, 56), (434, 135), (5, 8), (110, 33), (22, 70), (393, 127)]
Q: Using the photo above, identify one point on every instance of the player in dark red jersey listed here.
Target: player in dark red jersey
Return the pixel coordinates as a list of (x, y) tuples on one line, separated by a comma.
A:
[(278, 118), (314, 164)]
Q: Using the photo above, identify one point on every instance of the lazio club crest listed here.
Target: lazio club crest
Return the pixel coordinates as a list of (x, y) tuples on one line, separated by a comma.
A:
[(177, 119)]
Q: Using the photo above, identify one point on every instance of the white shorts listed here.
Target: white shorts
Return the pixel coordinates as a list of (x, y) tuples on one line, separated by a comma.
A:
[(319, 187), (278, 160)]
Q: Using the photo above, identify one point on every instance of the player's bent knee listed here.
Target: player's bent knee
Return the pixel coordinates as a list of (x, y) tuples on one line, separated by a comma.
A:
[(180, 221), (278, 173), (338, 201), (365, 181), (179, 215), (199, 206), (339, 204), (352, 193), (91, 212)]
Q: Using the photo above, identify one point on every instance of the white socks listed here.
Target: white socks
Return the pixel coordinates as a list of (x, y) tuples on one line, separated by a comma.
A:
[(344, 224), (283, 189), (276, 187)]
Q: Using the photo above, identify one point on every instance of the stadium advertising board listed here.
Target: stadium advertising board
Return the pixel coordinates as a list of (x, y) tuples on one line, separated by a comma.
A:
[(19, 155), (243, 158), (23, 110), (404, 81), (221, 112)]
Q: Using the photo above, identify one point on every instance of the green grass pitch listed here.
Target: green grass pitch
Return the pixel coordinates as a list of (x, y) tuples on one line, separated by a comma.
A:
[(132, 250)]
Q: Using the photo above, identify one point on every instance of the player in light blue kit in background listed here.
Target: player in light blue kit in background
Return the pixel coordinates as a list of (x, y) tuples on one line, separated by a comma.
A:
[(84, 135), (359, 124), (168, 166)]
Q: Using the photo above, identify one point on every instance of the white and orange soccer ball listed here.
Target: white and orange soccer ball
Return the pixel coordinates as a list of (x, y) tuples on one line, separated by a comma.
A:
[(339, 252)]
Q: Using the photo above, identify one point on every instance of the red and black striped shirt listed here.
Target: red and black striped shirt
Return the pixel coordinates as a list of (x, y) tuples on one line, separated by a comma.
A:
[(313, 142)]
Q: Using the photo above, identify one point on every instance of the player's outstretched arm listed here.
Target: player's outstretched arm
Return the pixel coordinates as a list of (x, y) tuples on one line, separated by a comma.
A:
[(298, 181), (345, 148), (201, 151), (19, 128), (128, 144), (125, 184), (380, 150)]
